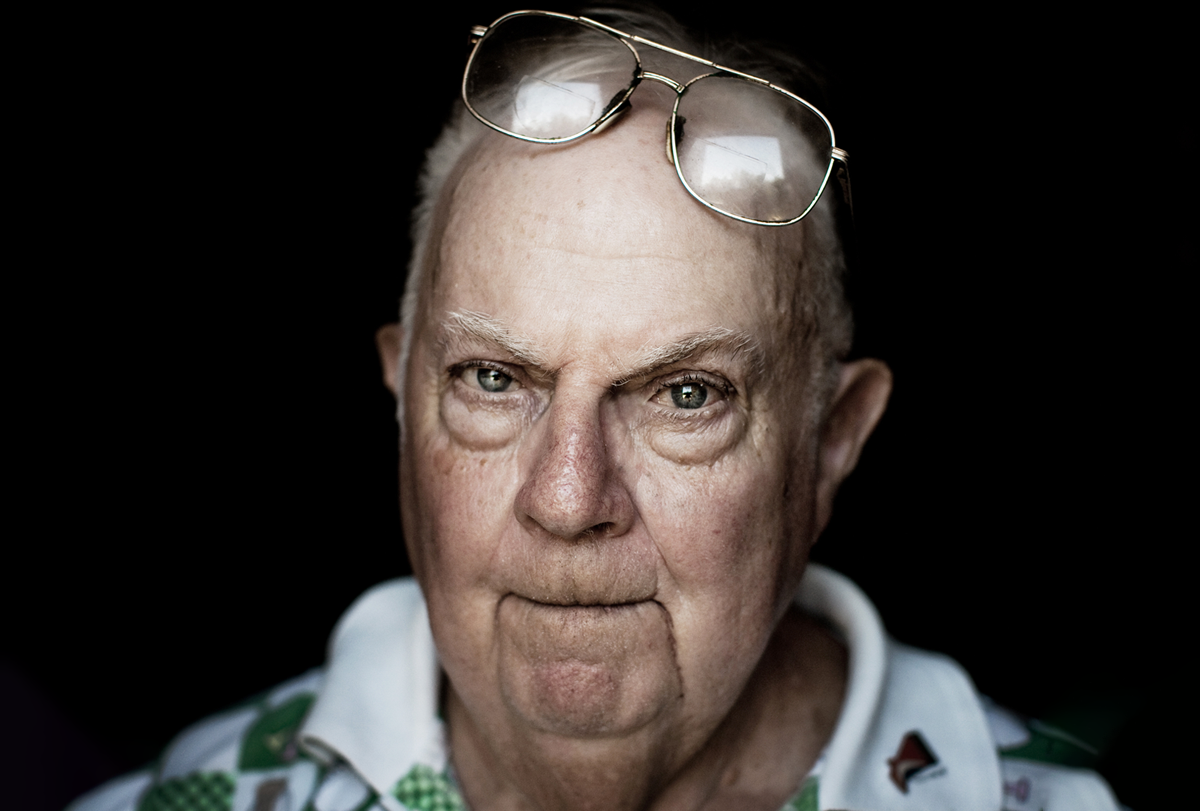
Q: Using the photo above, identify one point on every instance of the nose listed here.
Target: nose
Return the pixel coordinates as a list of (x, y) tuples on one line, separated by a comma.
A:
[(573, 488)]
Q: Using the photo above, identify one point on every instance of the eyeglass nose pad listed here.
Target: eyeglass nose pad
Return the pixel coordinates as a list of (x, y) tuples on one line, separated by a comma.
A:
[(613, 116)]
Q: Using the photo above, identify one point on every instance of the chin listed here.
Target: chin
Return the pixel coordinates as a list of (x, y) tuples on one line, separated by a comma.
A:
[(587, 671)]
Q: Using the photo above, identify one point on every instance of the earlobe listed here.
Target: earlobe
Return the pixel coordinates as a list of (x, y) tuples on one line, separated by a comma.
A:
[(387, 340), (857, 404)]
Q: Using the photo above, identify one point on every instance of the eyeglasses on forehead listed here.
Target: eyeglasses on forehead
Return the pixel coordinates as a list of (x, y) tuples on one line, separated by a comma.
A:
[(741, 145)]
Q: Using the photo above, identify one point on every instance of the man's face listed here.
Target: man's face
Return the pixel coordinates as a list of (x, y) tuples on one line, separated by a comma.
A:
[(607, 472)]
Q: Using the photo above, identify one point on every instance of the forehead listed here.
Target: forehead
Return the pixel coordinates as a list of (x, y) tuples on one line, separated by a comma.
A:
[(600, 236)]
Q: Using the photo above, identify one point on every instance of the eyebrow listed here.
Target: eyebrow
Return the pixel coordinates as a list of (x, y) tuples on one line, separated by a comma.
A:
[(463, 326), (717, 340), (466, 326)]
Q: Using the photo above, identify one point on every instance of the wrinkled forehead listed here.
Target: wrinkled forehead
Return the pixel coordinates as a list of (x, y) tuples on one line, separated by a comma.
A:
[(609, 203)]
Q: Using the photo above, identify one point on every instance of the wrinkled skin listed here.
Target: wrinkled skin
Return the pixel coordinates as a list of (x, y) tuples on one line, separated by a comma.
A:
[(609, 481)]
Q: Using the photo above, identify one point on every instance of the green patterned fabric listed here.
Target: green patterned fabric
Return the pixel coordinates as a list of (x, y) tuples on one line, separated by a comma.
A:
[(270, 741), (378, 744), (423, 789), (201, 791)]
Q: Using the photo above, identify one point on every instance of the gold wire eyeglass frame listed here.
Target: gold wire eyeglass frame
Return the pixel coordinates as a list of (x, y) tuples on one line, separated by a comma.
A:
[(837, 155)]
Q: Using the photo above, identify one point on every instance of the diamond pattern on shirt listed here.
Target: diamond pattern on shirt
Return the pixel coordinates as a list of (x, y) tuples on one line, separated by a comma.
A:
[(423, 789), (200, 791)]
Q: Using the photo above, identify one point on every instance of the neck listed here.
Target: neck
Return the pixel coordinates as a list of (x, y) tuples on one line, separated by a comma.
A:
[(756, 757)]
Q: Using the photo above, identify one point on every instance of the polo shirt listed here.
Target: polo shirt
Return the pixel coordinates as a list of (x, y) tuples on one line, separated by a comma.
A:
[(364, 733)]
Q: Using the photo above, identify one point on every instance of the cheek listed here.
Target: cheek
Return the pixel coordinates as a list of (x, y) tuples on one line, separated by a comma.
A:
[(465, 500), (724, 538), (462, 498), (716, 525), (452, 494)]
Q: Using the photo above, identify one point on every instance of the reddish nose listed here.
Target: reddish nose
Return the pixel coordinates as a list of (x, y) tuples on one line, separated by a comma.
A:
[(573, 488)]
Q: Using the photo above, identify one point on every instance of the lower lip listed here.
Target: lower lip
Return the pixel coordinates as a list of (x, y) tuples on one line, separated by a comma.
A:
[(581, 632), (591, 615), (598, 610)]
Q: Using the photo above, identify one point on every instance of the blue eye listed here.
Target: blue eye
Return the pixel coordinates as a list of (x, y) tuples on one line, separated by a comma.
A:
[(492, 380), (689, 395)]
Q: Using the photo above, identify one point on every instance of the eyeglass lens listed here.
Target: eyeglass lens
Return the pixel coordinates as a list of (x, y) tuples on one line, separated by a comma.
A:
[(745, 149), (546, 78), (749, 150)]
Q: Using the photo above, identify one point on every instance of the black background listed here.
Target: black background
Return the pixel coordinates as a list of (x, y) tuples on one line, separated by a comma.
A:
[(212, 222)]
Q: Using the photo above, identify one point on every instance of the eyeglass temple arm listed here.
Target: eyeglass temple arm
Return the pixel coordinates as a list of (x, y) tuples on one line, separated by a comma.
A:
[(843, 175)]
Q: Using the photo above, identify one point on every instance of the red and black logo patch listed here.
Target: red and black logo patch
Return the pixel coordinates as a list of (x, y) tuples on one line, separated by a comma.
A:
[(913, 756)]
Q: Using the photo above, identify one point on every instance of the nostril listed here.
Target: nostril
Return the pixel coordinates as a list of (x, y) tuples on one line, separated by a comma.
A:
[(599, 529)]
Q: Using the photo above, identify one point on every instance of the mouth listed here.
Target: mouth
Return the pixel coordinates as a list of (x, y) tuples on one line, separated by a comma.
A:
[(586, 618), (571, 604), (590, 633), (586, 575), (613, 590), (581, 604)]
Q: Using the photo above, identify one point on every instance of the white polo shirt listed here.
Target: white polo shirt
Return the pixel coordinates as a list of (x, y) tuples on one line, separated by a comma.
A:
[(364, 733)]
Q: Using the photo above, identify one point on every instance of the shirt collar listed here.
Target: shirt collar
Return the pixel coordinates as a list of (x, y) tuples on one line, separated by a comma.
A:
[(894, 692), (378, 707)]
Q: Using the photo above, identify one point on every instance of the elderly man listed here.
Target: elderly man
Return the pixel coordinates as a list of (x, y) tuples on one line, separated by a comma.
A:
[(625, 414)]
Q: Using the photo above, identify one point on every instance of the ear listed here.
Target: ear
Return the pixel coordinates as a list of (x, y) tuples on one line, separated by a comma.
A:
[(862, 394), (388, 339)]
